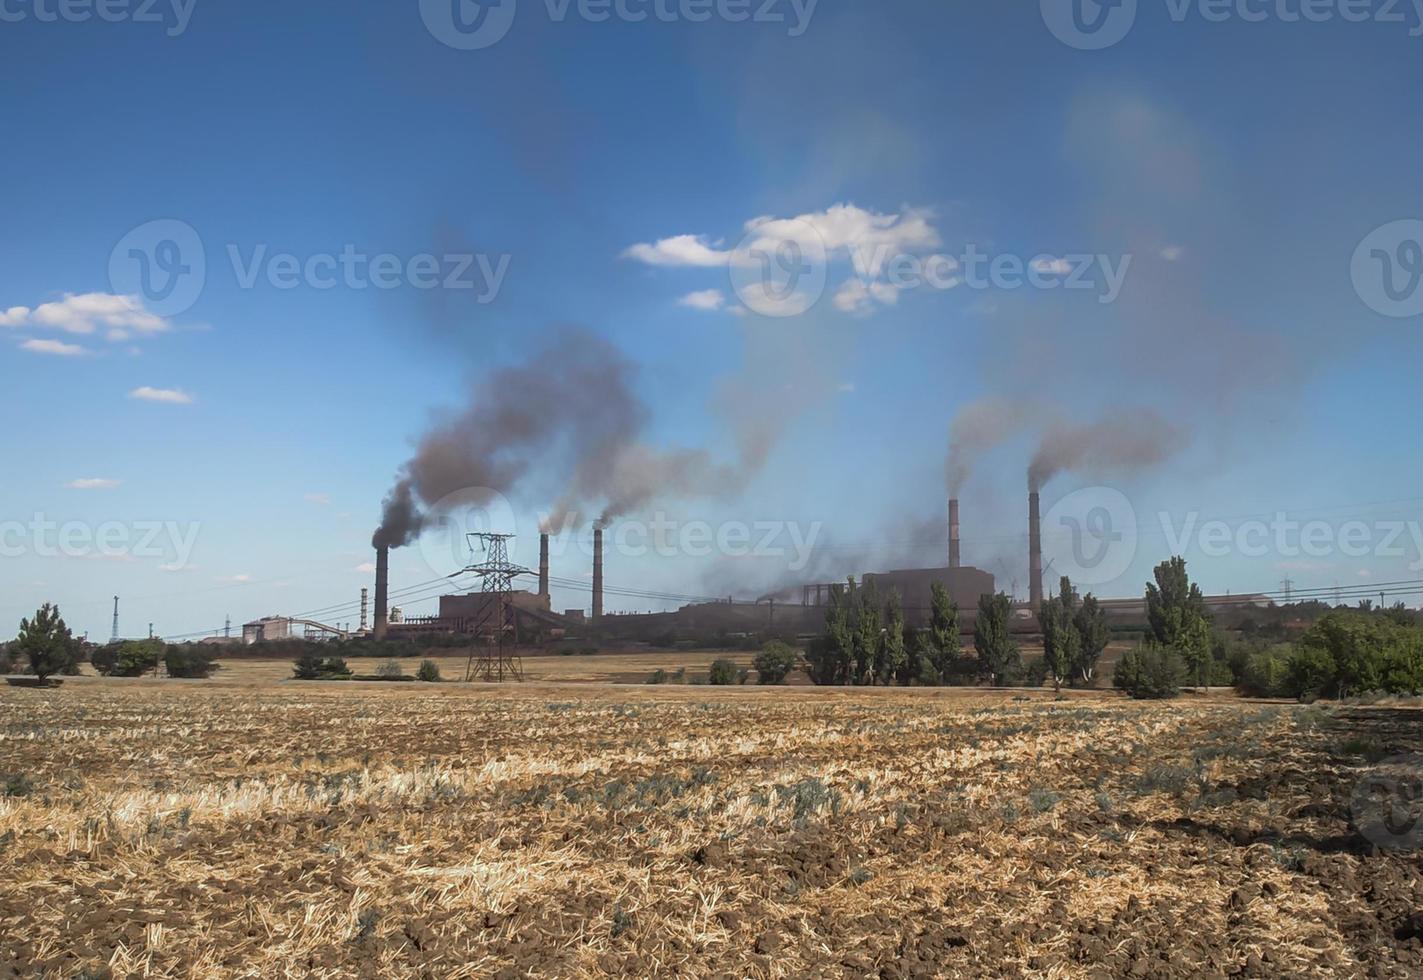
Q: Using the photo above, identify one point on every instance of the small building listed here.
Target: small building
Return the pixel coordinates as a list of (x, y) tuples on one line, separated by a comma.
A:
[(267, 629)]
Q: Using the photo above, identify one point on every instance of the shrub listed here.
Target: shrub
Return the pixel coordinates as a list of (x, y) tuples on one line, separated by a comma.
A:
[(723, 673), (928, 673), (1312, 673), (307, 667), (132, 658), (1266, 673), (390, 670), (428, 672), (774, 662), (1035, 673), (659, 676), (1150, 672), (189, 660)]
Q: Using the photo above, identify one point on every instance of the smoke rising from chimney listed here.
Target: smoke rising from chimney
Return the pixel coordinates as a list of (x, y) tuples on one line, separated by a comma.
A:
[(977, 428), (1121, 443), (571, 411)]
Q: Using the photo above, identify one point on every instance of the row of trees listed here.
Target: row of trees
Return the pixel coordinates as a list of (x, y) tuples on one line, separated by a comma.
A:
[(46, 647), (867, 641), (1344, 654)]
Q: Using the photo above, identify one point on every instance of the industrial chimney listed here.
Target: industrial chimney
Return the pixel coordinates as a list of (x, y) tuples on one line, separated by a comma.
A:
[(1035, 553), (597, 572), (382, 590), (365, 605), (543, 565), (953, 533)]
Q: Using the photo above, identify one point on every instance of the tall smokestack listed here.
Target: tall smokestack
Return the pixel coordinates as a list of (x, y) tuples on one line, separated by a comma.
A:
[(365, 605), (543, 565), (382, 590), (953, 533), (1035, 553), (597, 572)]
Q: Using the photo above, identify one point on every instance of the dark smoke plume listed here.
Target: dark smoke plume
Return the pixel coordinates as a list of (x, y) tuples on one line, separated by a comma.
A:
[(1124, 442), (977, 428), (570, 409), (571, 402)]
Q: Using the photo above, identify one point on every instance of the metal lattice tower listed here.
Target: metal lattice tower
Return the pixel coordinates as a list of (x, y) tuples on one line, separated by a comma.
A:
[(495, 654)]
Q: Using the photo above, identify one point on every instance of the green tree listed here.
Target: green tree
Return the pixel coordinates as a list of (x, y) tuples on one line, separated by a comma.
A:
[(867, 631), (892, 655), (830, 655), (193, 660), (774, 662), (1093, 635), (943, 637), (1176, 611), (722, 673), (997, 651), (47, 643), (1062, 645)]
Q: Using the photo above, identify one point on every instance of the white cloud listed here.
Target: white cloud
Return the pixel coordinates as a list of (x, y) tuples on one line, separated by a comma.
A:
[(86, 313), (868, 240), (679, 250), (366, 568), (171, 396), (56, 347), (323, 499), (856, 297), (705, 299), (1172, 252), (92, 483), (1365, 573), (236, 579)]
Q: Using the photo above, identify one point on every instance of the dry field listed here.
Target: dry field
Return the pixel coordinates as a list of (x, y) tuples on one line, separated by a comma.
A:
[(354, 830)]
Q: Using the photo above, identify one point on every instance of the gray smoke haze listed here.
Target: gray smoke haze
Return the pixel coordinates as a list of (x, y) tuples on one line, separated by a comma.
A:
[(977, 428), (569, 410), (1120, 443), (571, 401)]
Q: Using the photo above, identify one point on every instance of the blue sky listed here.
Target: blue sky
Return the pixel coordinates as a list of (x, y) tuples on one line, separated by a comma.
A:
[(1238, 164)]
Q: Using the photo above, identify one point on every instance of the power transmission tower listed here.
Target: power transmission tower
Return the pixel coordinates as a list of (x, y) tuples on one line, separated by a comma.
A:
[(114, 637), (227, 628), (1288, 585), (495, 653)]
